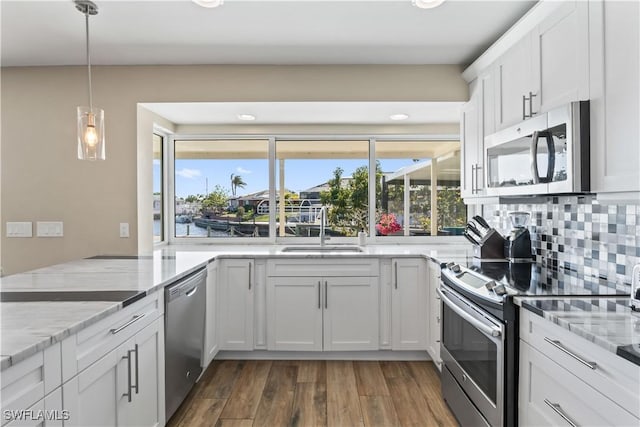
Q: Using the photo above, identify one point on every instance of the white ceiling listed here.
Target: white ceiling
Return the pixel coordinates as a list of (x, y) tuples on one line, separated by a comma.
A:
[(51, 32), (307, 112)]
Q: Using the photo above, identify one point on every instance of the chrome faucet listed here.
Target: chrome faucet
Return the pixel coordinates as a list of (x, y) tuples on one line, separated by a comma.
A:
[(323, 225)]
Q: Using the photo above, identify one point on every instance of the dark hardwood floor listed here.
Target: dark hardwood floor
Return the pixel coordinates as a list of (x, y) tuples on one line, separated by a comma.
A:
[(315, 393)]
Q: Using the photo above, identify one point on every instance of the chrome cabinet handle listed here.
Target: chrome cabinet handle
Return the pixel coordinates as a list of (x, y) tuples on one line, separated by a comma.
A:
[(558, 410), (319, 295), (478, 167), (531, 112), (326, 295), (524, 108), (130, 322), (129, 386), (250, 275), (473, 178), (557, 344), (135, 350), (395, 269)]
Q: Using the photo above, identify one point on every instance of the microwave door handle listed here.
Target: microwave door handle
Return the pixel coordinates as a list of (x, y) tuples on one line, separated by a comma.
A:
[(534, 157), (551, 158)]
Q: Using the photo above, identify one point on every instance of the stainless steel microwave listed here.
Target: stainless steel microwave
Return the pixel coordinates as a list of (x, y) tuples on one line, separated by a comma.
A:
[(547, 154)]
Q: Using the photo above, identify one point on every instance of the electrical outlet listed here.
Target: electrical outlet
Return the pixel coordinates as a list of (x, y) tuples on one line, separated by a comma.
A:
[(124, 229)]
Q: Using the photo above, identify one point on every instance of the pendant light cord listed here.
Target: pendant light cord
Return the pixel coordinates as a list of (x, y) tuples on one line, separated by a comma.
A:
[(86, 15)]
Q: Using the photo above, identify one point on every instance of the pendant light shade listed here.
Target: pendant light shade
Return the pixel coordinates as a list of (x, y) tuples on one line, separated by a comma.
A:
[(90, 119)]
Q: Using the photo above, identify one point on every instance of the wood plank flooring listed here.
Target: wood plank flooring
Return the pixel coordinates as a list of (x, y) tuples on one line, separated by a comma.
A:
[(315, 393)]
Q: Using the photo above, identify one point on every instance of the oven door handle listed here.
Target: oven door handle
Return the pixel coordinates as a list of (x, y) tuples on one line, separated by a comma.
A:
[(494, 332)]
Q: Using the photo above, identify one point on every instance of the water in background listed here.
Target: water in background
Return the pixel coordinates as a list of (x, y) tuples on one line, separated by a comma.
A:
[(181, 230)]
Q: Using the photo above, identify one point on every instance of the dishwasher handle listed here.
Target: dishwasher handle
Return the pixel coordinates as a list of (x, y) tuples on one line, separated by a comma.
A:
[(186, 287)]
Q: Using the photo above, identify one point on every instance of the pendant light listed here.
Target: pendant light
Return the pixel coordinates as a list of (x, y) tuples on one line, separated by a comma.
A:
[(90, 119)]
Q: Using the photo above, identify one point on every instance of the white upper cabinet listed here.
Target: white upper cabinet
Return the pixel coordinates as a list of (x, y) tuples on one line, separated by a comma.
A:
[(615, 93), (513, 84), (471, 144), (560, 53), (545, 69)]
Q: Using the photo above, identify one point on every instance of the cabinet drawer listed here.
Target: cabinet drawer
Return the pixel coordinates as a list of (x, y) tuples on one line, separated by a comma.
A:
[(30, 380), (93, 342), (610, 374), (323, 267), (552, 396)]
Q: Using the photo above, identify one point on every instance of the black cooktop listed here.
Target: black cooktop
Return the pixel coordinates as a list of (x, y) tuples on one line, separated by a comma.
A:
[(530, 278)]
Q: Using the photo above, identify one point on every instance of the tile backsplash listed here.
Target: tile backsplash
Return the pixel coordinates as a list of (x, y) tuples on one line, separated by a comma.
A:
[(579, 233)]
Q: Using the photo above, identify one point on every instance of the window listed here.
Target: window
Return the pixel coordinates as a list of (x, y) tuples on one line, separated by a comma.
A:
[(158, 185), (411, 172), (221, 187), (311, 174)]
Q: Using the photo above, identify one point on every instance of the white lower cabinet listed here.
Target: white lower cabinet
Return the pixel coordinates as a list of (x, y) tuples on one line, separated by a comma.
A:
[(565, 379), (409, 304), (211, 322), (552, 396), (46, 412), (322, 313), (123, 388), (236, 312), (435, 315)]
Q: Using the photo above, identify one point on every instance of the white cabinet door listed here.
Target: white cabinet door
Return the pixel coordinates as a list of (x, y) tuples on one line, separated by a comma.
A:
[(146, 408), (294, 313), (93, 396), (549, 395), (409, 304), (470, 145), (435, 314), (561, 57), (236, 313), (512, 82), (614, 29), (211, 322), (351, 313)]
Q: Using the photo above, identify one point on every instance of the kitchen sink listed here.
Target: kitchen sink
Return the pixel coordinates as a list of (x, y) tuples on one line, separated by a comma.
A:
[(37, 296), (328, 248)]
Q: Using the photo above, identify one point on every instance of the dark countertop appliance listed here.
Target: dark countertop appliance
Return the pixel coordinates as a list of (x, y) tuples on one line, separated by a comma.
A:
[(518, 246), (479, 344)]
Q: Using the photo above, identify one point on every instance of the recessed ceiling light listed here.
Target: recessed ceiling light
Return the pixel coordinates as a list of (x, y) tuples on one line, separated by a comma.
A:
[(247, 117), (209, 3), (427, 4), (400, 116)]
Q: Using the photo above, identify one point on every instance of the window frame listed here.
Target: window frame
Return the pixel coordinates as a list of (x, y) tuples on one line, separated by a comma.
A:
[(164, 187), (273, 238)]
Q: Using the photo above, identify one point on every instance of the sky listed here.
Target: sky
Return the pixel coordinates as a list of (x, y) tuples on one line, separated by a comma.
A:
[(199, 175)]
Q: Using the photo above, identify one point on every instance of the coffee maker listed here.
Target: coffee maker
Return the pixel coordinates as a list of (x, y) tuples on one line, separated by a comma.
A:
[(518, 245)]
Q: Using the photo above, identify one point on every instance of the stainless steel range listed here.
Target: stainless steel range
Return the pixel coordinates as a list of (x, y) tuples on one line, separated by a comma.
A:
[(479, 341)]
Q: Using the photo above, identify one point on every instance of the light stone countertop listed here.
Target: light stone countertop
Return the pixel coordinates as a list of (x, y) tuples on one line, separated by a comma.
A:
[(23, 334), (607, 322)]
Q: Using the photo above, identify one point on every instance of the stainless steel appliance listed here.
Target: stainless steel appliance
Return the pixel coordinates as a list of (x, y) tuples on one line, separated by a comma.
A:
[(547, 154), (519, 243), (635, 288), (480, 332), (184, 337)]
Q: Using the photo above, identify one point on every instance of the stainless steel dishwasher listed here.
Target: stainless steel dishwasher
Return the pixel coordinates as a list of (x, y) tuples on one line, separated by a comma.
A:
[(184, 337)]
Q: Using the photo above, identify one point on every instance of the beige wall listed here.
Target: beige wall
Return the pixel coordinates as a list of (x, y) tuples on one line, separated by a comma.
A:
[(42, 180)]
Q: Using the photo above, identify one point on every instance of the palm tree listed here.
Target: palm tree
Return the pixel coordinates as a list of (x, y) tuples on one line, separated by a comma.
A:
[(236, 182)]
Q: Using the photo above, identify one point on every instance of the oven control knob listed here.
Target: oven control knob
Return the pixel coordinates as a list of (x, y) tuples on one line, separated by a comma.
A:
[(490, 285), (500, 290), (456, 268), (464, 378)]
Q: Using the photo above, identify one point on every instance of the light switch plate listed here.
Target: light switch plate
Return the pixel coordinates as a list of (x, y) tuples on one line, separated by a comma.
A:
[(49, 229), (19, 229), (124, 229)]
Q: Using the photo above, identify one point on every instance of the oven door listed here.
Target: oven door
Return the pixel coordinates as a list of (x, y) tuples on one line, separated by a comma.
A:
[(472, 347)]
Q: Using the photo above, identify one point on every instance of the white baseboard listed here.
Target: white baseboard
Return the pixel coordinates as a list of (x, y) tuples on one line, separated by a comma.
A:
[(323, 355)]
